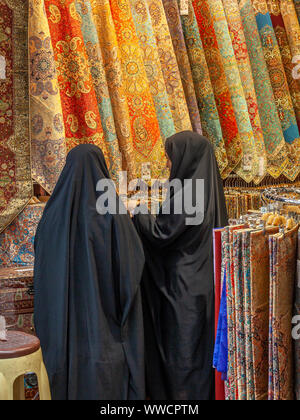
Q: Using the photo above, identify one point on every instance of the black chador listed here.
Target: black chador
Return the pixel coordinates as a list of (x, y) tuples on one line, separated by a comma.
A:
[(178, 281), (88, 269)]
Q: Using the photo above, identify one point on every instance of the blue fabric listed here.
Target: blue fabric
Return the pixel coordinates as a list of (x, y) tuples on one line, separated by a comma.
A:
[(220, 361)]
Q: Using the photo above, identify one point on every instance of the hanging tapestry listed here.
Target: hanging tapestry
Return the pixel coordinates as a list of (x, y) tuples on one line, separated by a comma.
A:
[(115, 80), (15, 170), (245, 169), (257, 154), (169, 66), (260, 284), (220, 85), (273, 136), (147, 141), (95, 60), (144, 30), (79, 103), (48, 146), (279, 84), (173, 18), (204, 91)]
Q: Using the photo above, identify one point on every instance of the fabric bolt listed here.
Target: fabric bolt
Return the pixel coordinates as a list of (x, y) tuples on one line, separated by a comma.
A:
[(260, 285), (292, 27), (79, 103), (291, 23), (169, 66), (229, 384), (247, 315), (48, 146), (272, 131), (283, 289), (16, 241), (234, 300), (296, 342), (257, 148), (275, 350), (220, 85), (297, 8), (176, 32), (15, 172), (147, 141), (231, 318), (219, 383), (270, 359), (239, 314), (273, 366), (145, 33), (203, 88), (220, 360), (286, 53), (96, 65), (113, 68), (289, 67), (245, 169), (279, 83)]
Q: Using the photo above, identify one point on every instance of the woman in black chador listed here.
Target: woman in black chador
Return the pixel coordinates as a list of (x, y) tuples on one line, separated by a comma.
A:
[(88, 269), (178, 281)]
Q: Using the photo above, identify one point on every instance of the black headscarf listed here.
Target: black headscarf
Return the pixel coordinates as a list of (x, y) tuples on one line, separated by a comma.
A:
[(178, 281), (88, 269)]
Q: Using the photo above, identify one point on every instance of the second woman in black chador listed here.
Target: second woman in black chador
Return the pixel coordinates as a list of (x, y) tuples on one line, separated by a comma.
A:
[(178, 281)]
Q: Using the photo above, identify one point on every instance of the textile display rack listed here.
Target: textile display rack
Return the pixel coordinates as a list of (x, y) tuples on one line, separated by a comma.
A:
[(256, 297)]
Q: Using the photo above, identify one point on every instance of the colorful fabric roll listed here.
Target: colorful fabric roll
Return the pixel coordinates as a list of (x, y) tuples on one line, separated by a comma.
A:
[(257, 152), (247, 315), (15, 166), (96, 66), (283, 288), (272, 374), (147, 141), (169, 66), (260, 285), (220, 85), (173, 19), (279, 82), (113, 68), (220, 328), (297, 8), (291, 23), (296, 342), (239, 314), (245, 169), (79, 103), (48, 146), (272, 131), (203, 88), (286, 55), (145, 33), (230, 384)]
